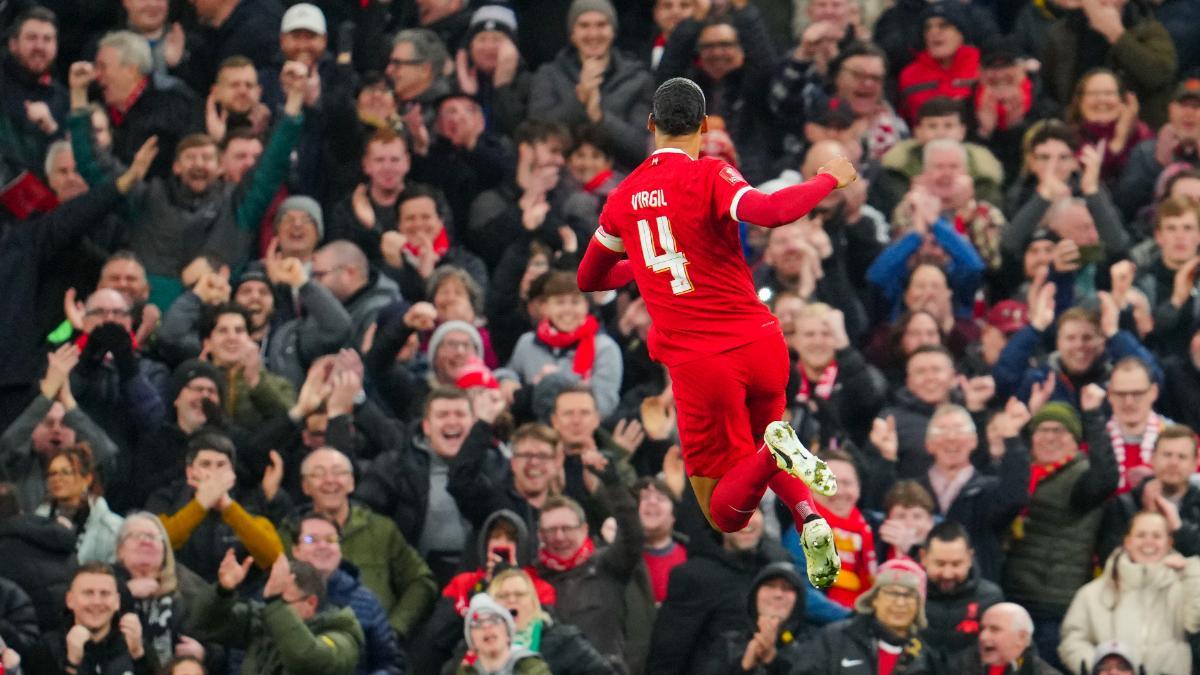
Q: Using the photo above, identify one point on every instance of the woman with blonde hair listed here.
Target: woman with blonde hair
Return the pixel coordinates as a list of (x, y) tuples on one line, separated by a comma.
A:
[(1148, 598), (146, 565)]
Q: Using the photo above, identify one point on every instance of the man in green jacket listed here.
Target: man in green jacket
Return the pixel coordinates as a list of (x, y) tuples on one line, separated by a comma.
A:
[(292, 633), (388, 565), (195, 211)]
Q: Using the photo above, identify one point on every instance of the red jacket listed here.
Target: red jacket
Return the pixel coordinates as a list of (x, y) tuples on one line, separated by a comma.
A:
[(925, 78)]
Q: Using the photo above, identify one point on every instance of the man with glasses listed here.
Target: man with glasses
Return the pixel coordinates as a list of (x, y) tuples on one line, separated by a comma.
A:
[(318, 543), (416, 68), (730, 56), (293, 630), (984, 504), (1134, 426), (387, 565), (113, 383), (1050, 556), (591, 581)]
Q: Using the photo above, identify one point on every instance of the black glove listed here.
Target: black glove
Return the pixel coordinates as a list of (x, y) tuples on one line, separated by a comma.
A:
[(214, 415), (115, 340), (345, 39)]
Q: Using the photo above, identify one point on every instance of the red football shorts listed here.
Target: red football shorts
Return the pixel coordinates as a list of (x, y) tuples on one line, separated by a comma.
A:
[(725, 402)]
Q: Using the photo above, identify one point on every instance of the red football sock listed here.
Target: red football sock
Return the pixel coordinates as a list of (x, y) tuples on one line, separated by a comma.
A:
[(795, 494), (739, 491)]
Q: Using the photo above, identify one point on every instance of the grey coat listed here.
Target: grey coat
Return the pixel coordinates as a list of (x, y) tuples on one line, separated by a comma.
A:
[(625, 97), (19, 463), (531, 355)]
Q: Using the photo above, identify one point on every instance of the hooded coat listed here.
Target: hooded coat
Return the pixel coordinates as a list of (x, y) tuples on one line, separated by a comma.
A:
[(1148, 607)]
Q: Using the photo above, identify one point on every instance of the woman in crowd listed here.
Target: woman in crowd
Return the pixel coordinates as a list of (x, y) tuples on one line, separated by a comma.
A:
[(1148, 598), (146, 563), (73, 496), (1105, 111)]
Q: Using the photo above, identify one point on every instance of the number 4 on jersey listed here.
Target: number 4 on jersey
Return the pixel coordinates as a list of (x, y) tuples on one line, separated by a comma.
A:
[(670, 260)]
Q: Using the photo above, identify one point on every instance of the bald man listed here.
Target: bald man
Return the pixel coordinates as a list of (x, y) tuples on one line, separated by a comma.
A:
[(341, 267), (1005, 641)]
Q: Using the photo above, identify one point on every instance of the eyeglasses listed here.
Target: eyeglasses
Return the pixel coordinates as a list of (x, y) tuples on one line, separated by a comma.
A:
[(905, 594), (326, 539), (1128, 395), (864, 76), (322, 473), (107, 313), (321, 274), (558, 529), (534, 456)]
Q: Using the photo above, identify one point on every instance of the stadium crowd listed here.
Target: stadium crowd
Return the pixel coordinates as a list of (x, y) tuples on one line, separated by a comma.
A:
[(296, 376)]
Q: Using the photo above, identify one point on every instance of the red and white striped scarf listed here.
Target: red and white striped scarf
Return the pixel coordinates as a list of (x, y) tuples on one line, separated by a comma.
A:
[(1121, 448)]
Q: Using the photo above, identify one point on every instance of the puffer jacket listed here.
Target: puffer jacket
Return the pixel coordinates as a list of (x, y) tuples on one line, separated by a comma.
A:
[(1148, 607), (851, 647)]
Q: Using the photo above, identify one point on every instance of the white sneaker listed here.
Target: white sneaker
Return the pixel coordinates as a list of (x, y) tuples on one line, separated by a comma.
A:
[(792, 457), (820, 553)]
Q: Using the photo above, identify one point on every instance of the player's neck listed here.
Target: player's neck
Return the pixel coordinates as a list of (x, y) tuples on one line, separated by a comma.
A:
[(689, 144)]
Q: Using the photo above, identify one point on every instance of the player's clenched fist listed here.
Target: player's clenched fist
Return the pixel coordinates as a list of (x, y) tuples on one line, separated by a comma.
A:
[(842, 169)]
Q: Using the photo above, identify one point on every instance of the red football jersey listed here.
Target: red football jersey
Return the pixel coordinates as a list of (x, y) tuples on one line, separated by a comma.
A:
[(675, 217)]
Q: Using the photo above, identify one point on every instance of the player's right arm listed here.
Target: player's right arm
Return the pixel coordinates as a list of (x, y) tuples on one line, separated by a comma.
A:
[(792, 203), (604, 266)]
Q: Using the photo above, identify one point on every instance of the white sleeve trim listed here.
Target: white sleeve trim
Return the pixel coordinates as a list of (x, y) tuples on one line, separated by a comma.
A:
[(737, 198), (609, 241)]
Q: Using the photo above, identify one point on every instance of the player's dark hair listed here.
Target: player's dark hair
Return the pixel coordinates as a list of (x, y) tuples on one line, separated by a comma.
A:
[(947, 531), (678, 107)]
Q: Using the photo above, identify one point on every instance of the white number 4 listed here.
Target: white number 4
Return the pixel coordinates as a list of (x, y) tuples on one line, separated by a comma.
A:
[(670, 260)]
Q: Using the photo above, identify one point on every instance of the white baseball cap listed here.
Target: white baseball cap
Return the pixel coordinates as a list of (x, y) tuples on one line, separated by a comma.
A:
[(303, 17)]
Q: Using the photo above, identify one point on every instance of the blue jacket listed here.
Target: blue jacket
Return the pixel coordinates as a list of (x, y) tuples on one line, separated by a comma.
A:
[(889, 273), (381, 653), (1015, 376)]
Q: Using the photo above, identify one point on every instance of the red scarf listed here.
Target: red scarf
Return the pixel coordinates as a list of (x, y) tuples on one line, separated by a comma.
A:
[(1040, 472), (582, 338), (597, 180), (552, 562), (441, 244), (118, 114), (824, 383), (1131, 455)]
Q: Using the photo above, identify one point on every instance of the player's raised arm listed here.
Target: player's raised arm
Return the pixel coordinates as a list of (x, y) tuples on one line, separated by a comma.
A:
[(792, 203), (604, 266)]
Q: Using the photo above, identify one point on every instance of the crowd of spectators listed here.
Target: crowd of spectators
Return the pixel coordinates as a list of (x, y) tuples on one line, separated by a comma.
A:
[(296, 376)]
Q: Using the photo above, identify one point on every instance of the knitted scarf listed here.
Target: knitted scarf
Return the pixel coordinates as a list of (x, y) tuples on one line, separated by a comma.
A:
[(441, 244), (562, 564), (1130, 455), (824, 388), (582, 338)]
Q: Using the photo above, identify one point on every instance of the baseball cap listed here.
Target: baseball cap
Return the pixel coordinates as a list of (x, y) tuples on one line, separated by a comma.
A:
[(1189, 89), (303, 17), (1008, 316)]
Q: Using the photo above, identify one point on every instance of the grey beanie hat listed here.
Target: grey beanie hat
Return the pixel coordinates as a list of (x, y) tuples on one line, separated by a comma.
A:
[(483, 605), (306, 204), (445, 329), (580, 6)]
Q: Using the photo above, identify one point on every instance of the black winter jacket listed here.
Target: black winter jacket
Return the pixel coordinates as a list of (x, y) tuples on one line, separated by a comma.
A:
[(954, 616), (851, 647)]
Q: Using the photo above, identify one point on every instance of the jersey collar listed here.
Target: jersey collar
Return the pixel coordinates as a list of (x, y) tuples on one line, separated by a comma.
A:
[(671, 150)]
